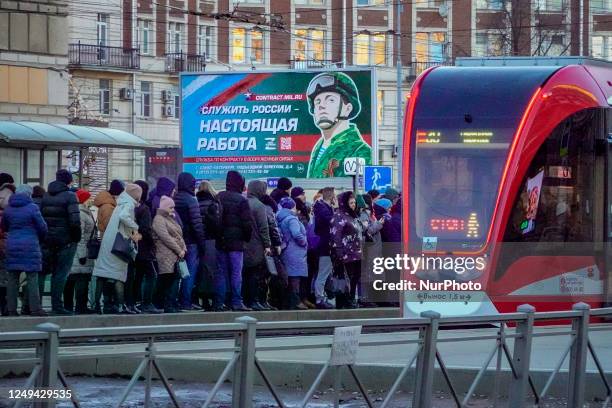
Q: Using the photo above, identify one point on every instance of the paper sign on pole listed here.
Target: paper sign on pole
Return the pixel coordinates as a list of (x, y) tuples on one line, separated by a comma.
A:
[(352, 165), (345, 345)]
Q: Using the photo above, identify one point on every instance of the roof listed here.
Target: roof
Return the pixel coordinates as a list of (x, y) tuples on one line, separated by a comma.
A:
[(38, 133), (530, 61)]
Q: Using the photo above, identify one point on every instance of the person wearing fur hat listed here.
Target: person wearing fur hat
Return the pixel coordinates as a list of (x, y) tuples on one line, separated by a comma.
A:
[(169, 248), (60, 209), (25, 230), (282, 189), (7, 188), (110, 270), (77, 285)]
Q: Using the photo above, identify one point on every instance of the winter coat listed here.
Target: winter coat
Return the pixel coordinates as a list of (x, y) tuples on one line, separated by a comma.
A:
[(371, 227), (169, 243), (260, 237), (122, 221), (303, 211), (6, 191), (210, 210), (323, 214), (392, 230), (188, 209), (146, 246), (25, 229), (294, 236), (275, 235), (236, 221), (60, 209), (106, 204), (277, 194), (346, 232), (87, 227)]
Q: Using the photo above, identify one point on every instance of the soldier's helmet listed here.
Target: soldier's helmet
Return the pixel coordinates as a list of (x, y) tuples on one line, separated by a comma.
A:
[(337, 82)]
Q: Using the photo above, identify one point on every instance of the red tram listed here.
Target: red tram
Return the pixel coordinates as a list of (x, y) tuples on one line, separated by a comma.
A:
[(509, 160)]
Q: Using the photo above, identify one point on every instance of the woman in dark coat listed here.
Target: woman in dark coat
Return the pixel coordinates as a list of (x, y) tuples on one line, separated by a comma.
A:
[(25, 228), (210, 210)]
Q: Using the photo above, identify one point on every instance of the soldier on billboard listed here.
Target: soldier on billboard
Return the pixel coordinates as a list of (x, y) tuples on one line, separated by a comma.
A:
[(333, 100)]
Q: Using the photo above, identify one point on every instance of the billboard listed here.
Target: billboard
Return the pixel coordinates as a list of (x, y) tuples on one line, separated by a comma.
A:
[(272, 124)]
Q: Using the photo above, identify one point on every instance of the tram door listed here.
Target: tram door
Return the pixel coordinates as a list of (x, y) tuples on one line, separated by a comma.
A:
[(608, 266)]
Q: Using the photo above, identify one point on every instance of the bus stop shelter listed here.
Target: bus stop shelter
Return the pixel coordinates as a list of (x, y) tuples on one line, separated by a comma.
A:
[(31, 151)]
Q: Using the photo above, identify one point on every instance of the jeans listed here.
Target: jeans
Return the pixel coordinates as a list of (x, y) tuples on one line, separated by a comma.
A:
[(325, 269), (12, 291), (230, 271), (57, 262), (76, 289), (192, 256)]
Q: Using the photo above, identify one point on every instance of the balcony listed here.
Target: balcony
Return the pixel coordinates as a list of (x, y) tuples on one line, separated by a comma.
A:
[(103, 56), (180, 62), (417, 67), (313, 64)]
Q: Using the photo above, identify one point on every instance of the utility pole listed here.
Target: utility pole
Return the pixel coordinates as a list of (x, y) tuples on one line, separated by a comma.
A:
[(398, 64)]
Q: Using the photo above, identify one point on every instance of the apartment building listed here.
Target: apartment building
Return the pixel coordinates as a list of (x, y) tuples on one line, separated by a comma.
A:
[(124, 56)]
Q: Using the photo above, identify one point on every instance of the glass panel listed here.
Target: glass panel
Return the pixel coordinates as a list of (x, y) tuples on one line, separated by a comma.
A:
[(422, 52), (257, 46), (49, 166), (11, 163), (480, 46), (436, 47), (380, 49), (380, 106), (318, 44), (362, 49), (238, 45), (33, 164), (300, 44)]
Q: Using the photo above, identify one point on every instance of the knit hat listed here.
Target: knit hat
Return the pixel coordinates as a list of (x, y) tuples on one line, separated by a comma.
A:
[(360, 201), (64, 176), (166, 203), (116, 187), (287, 203), (24, 189), (6, 178), (82, 195), (391, 193), (284, 183), (296, 192), (134, 191), (384, 203)]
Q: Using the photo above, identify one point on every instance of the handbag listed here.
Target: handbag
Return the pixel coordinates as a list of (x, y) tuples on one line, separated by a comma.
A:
[(271, 264), (124, 248), (94, 243), (182, 269)]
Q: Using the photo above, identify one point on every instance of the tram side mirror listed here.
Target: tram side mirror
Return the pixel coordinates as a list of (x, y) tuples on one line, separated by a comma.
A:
[(468, 118)]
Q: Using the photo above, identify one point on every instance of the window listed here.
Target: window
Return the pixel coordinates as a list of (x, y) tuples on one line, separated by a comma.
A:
[(310, 2), (371, 2), (177, 105), (549, 5), (380, 103), (102, 29), (601, 6), (370, 49), (309, 45), (205, 38), (490, 4), (488, 45), (551, 45), (247, 46), (145, 96), (175, 37), (145, 37), (429, 3), (105, 97), (601, 47)]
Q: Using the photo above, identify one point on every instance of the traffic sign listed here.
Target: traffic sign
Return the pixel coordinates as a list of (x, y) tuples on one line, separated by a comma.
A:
[(353, 164), (272, 182), (378, 178)]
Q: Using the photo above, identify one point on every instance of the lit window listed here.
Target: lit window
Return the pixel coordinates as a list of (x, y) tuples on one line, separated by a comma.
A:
[(247, 46), (380, 103), (145, 95), (105, 97), (309, 45), (205, 38), (430, 50), (370, 49), (145, 36), (175, 37)]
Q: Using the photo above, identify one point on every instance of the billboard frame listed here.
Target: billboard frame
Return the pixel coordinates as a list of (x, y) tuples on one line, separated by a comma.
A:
[(373, 99)]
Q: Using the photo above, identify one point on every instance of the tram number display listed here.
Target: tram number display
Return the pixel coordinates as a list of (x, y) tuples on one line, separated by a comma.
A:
[(455, 227)]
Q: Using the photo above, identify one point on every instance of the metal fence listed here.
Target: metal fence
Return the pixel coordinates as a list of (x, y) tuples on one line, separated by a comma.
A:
[(244, 363), (103, 55)]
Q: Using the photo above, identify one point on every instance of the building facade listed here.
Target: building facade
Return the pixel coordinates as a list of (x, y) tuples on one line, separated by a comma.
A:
[(124, 57)]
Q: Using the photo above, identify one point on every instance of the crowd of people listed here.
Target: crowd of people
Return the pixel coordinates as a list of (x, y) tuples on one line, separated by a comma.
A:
[(173, 247)]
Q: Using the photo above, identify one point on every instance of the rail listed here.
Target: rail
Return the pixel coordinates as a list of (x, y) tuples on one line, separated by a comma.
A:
[(177, 62), (423, 333), (103, 55)]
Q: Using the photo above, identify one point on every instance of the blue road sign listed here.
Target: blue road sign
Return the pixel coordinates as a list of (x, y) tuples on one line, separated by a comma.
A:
[(273, 182), (378, 178)]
